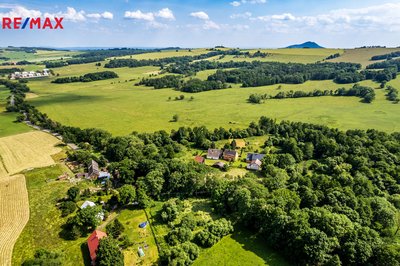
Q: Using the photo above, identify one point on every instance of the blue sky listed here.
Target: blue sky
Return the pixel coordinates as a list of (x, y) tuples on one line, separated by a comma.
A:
[(206, 23)]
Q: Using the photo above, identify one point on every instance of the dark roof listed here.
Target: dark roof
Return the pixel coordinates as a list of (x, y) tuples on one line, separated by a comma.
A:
[(230, 153), (93, 168), (219, 164), (214, 153), (254, 156)]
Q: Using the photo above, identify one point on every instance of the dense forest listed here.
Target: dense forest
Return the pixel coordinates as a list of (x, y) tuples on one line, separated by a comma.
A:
[(253, 74), (192, 85), (324, 197), (88, 77)]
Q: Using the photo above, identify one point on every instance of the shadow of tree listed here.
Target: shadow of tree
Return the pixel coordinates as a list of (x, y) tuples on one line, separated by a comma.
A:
[(258, 245), (85, 254)]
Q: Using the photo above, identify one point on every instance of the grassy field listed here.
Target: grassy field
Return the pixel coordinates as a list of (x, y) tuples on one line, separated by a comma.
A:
[(363, 55), (27, 150), (7, 125), (14, 214), (287, 55), (121, 107), (240, 249), (143, 109), (40, 55), (43, 228), (131, 220)]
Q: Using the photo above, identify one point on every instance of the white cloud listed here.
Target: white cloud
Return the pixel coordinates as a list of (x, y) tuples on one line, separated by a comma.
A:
[(253, 2), (105, 15), (156, 25), (71, 14), (19, 11), (139, 15), (379, 17), (211, 25), (150, 17), (241, 15), (165, 13), (200, 15)]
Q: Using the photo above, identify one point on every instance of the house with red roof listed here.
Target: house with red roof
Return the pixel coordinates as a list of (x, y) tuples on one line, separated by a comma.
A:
[(93, 244), (199, 159)]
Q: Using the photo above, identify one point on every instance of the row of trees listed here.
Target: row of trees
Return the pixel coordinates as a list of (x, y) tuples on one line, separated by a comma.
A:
[(92, 56), (192, 85), (386, 56), (179, 61), (366, 93), (88, 77)]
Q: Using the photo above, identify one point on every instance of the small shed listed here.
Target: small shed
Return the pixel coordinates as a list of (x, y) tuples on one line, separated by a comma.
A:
[(88, 204), (144, 224), (219, 165), (140, 252), (199, 159)]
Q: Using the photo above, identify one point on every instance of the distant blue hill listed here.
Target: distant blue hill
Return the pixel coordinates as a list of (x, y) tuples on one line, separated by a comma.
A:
[(306, 45)]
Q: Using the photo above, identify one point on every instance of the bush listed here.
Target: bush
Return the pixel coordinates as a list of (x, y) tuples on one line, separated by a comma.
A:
[(67, 208)]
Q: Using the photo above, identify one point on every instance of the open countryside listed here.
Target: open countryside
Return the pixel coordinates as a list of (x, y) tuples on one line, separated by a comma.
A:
[(144, 109), (149, 133), (140, 108)]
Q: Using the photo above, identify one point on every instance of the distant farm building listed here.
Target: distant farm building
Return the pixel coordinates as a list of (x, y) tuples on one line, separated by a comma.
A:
[(214, 154), (73, 146), (254, 165), (82, 175), (93, 244), (254, 156), (93, 169), (230, 155), (219, 165), (87, 204), (238, 144), (31, 74), (199, 159)]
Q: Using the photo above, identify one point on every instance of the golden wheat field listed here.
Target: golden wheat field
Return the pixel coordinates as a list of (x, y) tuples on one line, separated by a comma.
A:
[(27, 150), (14, 214)]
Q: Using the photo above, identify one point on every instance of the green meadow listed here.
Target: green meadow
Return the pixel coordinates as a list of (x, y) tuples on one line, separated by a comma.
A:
[(362, 56), (45, 221), (8, 126), (40, 55), (120, 107), (242, 248)]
